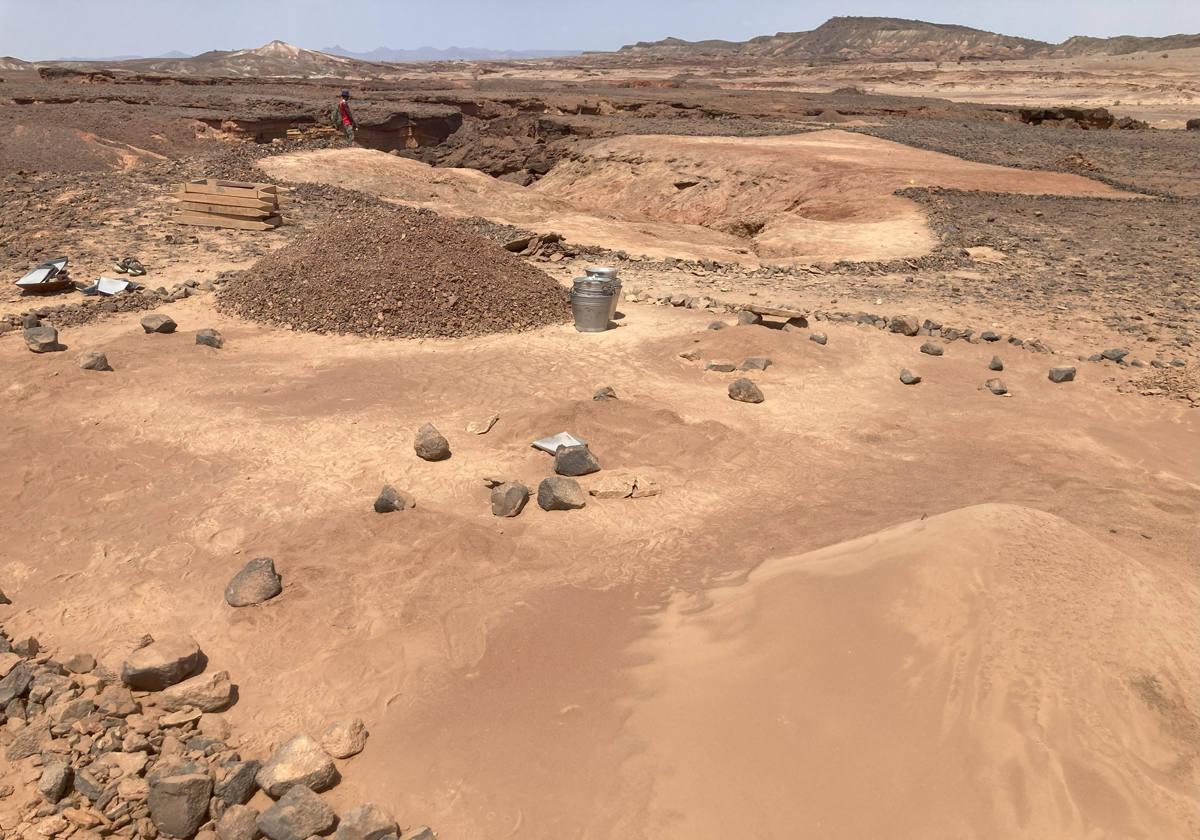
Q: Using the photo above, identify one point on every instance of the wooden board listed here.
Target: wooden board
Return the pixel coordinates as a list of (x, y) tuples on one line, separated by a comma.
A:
[(227, 200), (205, 220), (263, 192), (222, 210)]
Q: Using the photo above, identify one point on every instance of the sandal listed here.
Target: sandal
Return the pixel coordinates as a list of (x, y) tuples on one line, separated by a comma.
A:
[(135, 268)]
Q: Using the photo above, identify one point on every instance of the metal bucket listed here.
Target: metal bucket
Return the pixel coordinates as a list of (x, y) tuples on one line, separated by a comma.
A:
[(591, 304), (607, 272), (610, 274)]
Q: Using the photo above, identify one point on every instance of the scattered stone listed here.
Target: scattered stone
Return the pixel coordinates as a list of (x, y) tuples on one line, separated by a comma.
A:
[(345, 738), (298, 815), (16, 683), (366, 822), (163, 662), (42, 339), (509, 499), (179, 804), (256, 582), (604, 394), (743, 390), (30, 321), (206, 692), (239, 822), (391, 500), (93, 360), (575, 460), (482, 427), (422, 832), (644, 488), (931, 349), (612, 487), (182, 717), (27, 647), (717, 325), (300, 761), (1115, 354), (721, 366), (158, 323), (756, 363), (988, 335), (995, 364), (56, 779), (430, 445), (117, 701), (557, 493), (996, 387), (1062, 374), (747, 318), (80, 663), (908, 377), (904, 324), (491, 481), (210, 338), (239, 782), (820, 338)]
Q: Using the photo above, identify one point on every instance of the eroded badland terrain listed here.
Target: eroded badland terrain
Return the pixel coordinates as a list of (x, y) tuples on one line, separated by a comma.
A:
[(836, 605)]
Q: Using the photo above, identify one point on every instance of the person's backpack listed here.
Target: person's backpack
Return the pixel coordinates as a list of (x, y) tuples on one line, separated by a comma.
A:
[(335, 117)]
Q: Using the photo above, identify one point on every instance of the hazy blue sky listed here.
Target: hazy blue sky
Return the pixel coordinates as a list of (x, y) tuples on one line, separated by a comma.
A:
[(40, 29)]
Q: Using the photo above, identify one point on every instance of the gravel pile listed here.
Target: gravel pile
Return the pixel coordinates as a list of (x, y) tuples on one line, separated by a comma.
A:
[(396, 272)]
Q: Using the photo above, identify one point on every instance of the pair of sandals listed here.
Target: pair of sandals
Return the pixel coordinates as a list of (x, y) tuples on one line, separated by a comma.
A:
[(130, 266)]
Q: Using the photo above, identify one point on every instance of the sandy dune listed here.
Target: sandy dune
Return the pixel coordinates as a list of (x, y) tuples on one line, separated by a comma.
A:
[(822, 196)]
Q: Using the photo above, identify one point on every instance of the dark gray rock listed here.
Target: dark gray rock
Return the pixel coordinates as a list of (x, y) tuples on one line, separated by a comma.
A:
[(391, 500), (743, 390), (575, 460), (509, 499), (931, 349), (299, 762), (42, 339), (158, 323), (604, 394), (163, 662), (988, 335), (30, 322), (747, 318), (256, 582), (27, 647), (720, 366), (210, 338), (904, 324), (908, 377), (430, 445), (298, 815), (1062, 374), (93, 360), (556, 493), (238, 822), (756, 363), (819, 337), (16, 683), (366, 822), (56, 779), (179, 804), (238, 784), (1115, 354), (996, 386), (995, 364), (930, 327)]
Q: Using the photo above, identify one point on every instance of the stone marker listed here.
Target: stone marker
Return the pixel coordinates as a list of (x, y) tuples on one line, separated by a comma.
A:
[(556, 493), (344, 738), (210, 338), (366, 822), (743, 390), (908, 377), (509, 499), (430, 445), (820, 338), (604, 394), (42, 339), (93, 360), (931, 349), (179, 804), (904, 324), (575, 460), (747, 318), (1062, 374), (239, 822), (298, 815), (163, 662), (996, 386), (391, 500), (995, 364), (256, 582), (158, 323), (720, 366), (612, 487), (756, 363), (482, 427), (207, 692), (300, 761)]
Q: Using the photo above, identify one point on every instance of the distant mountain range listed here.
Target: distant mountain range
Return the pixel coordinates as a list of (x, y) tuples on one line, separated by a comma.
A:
[(897, 39), (447, 54), (171, 54)]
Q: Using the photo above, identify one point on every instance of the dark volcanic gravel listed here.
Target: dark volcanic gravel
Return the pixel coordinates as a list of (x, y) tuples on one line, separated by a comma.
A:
[(396, 272)]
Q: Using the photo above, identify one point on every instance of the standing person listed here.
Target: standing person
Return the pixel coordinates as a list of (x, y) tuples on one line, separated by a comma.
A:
[(348, 123)]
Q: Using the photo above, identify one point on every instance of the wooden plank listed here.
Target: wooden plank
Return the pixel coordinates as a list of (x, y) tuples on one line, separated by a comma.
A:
[(241, 192), (205, 220), (240, 185), (226, 200), (222, 210)]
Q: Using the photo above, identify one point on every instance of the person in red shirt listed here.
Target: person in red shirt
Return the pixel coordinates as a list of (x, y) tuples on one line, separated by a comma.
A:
[(349, 124)]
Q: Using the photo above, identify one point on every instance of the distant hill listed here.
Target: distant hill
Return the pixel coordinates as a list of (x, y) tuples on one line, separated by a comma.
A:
[(7, 62), (447, 54), (897, 39), (274, 59)]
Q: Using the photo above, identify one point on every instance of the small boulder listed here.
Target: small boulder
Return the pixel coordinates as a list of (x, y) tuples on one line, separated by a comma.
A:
[(210, 338), (298, 815), (575, 460), (238, 822), (720, 366), (179, 804), (206, 692), (996, 386), (42, 339), (30, 321), (366, 822), (820, 338), (756, 363), (93, 360), (430, 445), (117, 701), (344, 738), (299, 762), (509, 499), (604, 394), (238, 783), (1062, 374), (163, 662), (1115, 354), (931, 349), (256, 582), (391, 500), (612, 487), (556, 493), (80, 663), (56, 779), (995, 364), (904, 324), (988, 335), (747, 318), (743, 390), (908, 377), (158, 323)]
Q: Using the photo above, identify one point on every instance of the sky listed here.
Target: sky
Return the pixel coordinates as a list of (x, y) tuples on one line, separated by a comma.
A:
[(45, 29)]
